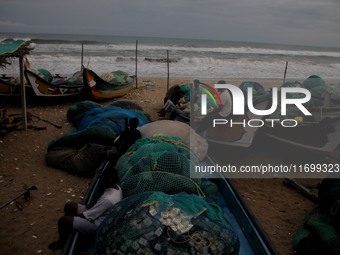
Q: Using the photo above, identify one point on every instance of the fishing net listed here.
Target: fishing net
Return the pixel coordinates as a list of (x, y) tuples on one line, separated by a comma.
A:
[(329, 194), (116, 77), (175, 128), (43, 73), (334, 90), (157, 223), (111, 116), (76, 139), (321, 231), (100, 125), (76, 112), (160, 163), (75, 79), (292, 84), (316, 85), (258, 90), (81, 162), (127, 104)]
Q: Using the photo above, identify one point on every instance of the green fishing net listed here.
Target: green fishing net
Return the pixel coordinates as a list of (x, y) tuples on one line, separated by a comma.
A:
[(320, 230), (159, 163), (116, 77)]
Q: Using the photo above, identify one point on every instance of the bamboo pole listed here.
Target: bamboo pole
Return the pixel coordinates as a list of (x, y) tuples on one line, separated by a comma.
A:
[(23, 92), (136, 64), (167, 61), (284, 76), (82, 57)]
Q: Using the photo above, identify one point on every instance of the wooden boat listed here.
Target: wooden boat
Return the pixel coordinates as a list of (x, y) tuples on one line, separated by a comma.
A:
[(8, 88), (320, 135), (253, 239), (57, 88), (101, 89), (238, 135)]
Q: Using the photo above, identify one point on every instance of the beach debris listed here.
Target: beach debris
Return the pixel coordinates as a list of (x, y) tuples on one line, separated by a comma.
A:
[(301, 188), (55, 125), (19, 206), (25, 193), (150, 85)]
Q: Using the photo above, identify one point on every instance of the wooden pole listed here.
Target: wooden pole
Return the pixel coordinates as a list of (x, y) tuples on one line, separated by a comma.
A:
[(23, 92), (167, 60), (82, 57), (136, 64), (284, 76)]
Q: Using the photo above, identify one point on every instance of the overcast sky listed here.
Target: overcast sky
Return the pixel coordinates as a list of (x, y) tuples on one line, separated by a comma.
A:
[(302, 22)]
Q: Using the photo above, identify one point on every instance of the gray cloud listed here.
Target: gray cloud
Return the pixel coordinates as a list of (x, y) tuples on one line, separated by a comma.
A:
[(304, 22)]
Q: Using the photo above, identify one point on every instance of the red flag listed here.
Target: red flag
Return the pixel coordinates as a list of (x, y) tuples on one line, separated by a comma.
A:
[(27, 63)]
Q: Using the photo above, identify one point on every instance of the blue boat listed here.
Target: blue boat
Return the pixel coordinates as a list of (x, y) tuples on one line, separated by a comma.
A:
[(252, 238)]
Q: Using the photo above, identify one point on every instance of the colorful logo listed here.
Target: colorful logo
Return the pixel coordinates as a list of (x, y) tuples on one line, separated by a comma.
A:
[(209, 93)]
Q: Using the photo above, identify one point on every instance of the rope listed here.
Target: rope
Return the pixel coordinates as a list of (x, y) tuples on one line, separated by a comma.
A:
[(200, 193), (199, 240), (321, 111), (335, 207)]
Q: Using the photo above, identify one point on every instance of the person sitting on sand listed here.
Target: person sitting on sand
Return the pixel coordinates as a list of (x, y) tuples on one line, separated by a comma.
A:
[(85, 218), (171, 106), (172, 95)]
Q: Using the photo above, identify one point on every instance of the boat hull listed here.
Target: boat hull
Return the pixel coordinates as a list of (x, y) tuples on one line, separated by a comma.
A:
[(43, 88), (253, 239), (237, 135), (322, 137), (100, 89)]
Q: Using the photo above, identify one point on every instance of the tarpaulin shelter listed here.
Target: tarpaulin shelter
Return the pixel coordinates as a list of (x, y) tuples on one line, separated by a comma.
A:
[(9, 51)]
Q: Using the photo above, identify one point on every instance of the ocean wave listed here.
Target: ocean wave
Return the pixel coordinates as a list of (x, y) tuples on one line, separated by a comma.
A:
[(94, 47)]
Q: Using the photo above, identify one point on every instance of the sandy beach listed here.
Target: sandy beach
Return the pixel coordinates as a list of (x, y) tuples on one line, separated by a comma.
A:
[(28, 227)]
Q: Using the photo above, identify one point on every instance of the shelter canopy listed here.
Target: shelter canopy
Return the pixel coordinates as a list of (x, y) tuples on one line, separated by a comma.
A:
[(15, 49)]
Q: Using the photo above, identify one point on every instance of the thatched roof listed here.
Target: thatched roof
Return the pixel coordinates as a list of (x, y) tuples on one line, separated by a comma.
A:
[(16, 49)]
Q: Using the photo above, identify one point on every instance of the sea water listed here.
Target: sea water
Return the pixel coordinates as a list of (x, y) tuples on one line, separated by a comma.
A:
[(189, 58)]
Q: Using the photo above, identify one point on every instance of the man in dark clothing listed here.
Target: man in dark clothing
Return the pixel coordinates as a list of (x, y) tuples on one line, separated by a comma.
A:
[(128, 136)]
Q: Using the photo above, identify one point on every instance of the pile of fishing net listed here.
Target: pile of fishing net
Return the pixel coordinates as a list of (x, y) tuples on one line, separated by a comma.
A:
[(116, 77), (317, 88), (43, 73), (127, 104), (99, 125), (157, 223), (75, 79), (316, 85), (320, 233), (159, 163), (176, 128), (82, 162), (81, 151), (258, 91)]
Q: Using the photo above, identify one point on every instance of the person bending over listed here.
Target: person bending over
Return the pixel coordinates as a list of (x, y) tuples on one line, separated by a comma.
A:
[(84, 218)]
